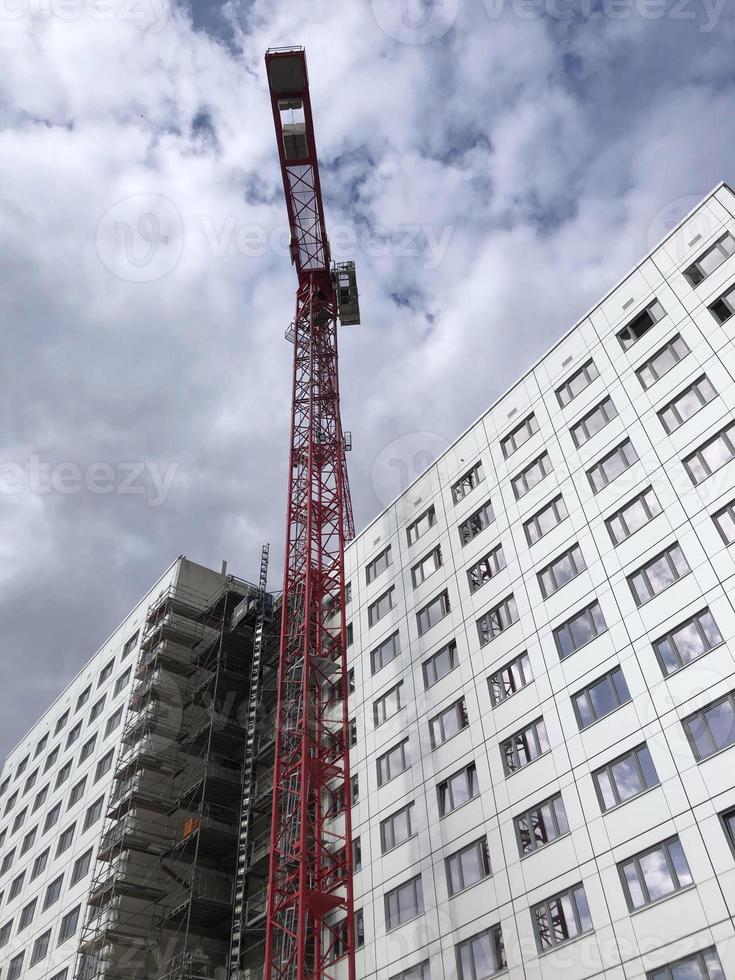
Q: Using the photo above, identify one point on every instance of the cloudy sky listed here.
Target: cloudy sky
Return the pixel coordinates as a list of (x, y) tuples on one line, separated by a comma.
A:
[(493, 166)]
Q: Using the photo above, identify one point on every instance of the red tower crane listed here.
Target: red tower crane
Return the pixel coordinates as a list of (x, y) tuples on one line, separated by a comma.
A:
[(310, 925)]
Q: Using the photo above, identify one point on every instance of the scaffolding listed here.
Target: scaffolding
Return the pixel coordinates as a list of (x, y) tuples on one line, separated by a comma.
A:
[(162, 901)]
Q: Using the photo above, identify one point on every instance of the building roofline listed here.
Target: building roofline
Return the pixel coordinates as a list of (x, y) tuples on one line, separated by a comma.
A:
[(544, 355)]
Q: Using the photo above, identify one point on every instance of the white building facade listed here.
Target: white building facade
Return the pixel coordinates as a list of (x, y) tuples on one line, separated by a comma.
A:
[(544, 653)]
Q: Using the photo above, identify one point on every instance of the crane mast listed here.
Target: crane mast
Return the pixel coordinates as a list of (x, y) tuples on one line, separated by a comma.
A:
[(310, 924)]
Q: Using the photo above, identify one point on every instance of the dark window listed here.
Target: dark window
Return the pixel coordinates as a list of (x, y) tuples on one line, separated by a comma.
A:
[(40, 948), (467, 482), (496, 620), (534, 473), (77, 792), (387, 705), (41, 746), (545, 519), (51, 817), (63, 774), (397, 828), (122, 682), (7, 862), (658, 574), (51, 759), (104, 765), (39, 865), (581, 629), (483, 517), (633, 515), (483, 570), (600, 698), (28, 840), (65, 840), (481, 956), (561, 917), (576, 383), (509, 679), (687, 641), (68, 925), (385, 652), (113, 721), (420, 972), (106, 672), (130, 645), (724, 307), (16, 886), (612, 465), (522, 433), (711, 455), (97, 709), (625, 777), (421, 525), (87, 749), (467, 866), (26, 916), (393, 762), (61, 722), (662, 361), (541, 825), (448, 723), (711, 259), (460, 788), (423, 569), (40, 798), (83, 698), (591, 423), (561, 570), (724, 520), (640, 324), (15, 967), (433, 612), (704, 965), (381, 606), (94, 812), (654, 873), (377, 565), (5, 933), (439, 664), (74, 734), (712, 728), (404, 903), (687, 403), (524, 747)]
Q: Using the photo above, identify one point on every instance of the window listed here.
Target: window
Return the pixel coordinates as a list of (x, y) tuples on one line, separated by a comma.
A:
[(725, 522), (423, 569), (65, 840), (19, 820), (541, 825), (576, 383), (562, 917), (459, 789), (534, 473), (687, 403), (404, 903), (73, 734), (712, 728), (591, 423), (52, 892), (4, 785), (483, 517), (524, 747), (77, 792), (28, 841), (711, 455), (39, 865), (16, 886), (113, 721), (7, 862), (15, 968), (658, 574), (421, 525), (432, 612), (483, 570), (68, 925), (640, 324), (5, 933), (41, 746), (87, 749), (481, 956), (467, 482), (633, 516), (545, 519), (522, 433), (81, 867), (11, 802), (381, 607), (561, 570), (687, 641), (581, 629), (711, 259), (40, 948), (61, 975), (612, 465), (51, 817), (104, 765), (129, 645), (600, 698), (655, 873), (496, 620), (106, 672), (97, 709), (122, 682), (448, 723), (383, 654), (420, 972), (352, 730), (40, 798), (31, 781), (509, 679), (61, 722), (704, 965), (94, 812), (662, 361), (397, 828), (63, 774), (387, 705), (83, 698), (625, 777), (467, 866), (26, 916), (393, 762), (724, 307), (378, 565), (439, 664)]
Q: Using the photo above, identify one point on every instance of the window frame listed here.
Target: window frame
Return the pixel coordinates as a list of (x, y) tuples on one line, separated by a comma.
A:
[(486, 568), (649, 364), (424, 620), (444, 789), (621, 451), (521, 478), (494, 936), (374, 608), (451, 649), (511, 743), (635, 859), (577, 561), (388, 823), (620, 514), (534, 519), (643, 572), (654, 311), (551, 803), (566, 385), (453, 862), (416, 530), (670, 638), (725, 698), (477, 522), (436, 554), (665, 972), (371, 574), (471, 478), (509, 443), (515, 662), (695, 272), (587, 610), (696, 387), (507, 608), (399, 747), (437, 725), (416, 884), (581, 426), (381, 701), (607, 768), (585, 691), (724, 435), (395, 644), (570, 894)]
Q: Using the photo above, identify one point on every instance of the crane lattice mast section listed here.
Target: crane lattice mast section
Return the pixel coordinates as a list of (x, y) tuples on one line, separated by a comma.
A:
[(310, 925)]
